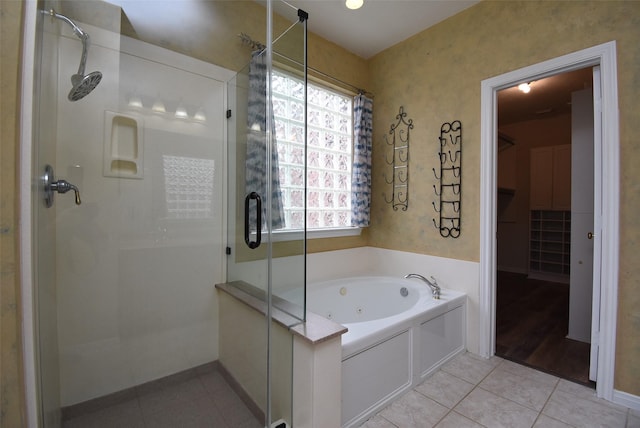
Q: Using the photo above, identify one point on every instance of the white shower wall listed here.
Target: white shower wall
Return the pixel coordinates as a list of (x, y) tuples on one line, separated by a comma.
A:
[(137, 261)]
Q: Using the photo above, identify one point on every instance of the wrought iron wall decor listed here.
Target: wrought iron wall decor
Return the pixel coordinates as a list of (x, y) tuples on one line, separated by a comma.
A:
[(399, 141), (449, 188)]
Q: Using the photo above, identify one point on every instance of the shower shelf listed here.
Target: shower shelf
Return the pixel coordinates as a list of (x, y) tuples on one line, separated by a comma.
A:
[(123, 148)]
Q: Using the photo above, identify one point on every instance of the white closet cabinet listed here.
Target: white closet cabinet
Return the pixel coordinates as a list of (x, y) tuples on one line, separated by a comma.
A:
[(550, 185)]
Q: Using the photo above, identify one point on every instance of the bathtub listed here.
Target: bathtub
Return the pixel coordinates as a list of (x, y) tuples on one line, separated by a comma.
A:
[(398, 335)]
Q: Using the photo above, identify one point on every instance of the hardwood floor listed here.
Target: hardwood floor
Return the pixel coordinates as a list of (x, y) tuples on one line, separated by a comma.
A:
[(532, 318)]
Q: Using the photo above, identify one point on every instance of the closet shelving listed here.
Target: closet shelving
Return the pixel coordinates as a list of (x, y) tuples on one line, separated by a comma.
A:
[(550, 243)]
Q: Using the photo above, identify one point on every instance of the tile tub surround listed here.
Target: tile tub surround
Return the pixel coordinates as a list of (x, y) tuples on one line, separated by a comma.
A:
[(470, 391)]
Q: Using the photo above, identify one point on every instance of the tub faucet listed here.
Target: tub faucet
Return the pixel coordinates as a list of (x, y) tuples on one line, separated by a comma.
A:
[(433, 284)]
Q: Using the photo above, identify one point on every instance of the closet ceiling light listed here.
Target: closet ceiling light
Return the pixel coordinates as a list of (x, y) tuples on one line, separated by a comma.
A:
[(524, 87), (354, 4)]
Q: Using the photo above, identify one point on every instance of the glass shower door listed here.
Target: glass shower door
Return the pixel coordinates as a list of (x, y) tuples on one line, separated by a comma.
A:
[(266, 251), (124, 274), (289, 80), (267, 170)]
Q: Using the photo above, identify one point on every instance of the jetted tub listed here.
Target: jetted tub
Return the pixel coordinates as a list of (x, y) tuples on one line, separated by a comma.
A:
[(398, 335)]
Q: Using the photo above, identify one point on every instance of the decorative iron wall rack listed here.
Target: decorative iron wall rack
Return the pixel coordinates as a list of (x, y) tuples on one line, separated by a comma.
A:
[(449, 187), (399, 141)]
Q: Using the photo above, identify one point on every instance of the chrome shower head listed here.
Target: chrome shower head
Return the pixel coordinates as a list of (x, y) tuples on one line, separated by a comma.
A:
[(82, 84)]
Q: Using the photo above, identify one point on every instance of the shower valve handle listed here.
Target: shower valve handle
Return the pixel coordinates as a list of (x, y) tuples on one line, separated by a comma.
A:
[(52, 185), (63, 186)]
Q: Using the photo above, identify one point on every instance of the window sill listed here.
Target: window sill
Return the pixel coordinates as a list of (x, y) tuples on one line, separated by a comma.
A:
[(334, 232)]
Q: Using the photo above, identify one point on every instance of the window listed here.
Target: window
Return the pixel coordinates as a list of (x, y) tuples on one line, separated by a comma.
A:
[(188, 187), (329, 153)]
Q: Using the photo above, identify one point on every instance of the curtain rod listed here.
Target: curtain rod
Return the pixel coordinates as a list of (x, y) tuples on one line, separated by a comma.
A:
[(247, 40)]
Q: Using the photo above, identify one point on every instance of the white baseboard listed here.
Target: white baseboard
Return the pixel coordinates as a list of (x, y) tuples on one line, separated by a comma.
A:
[(625, 399)]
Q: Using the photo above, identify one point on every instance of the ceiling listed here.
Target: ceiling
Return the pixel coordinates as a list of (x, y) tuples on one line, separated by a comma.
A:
[(377, 25), (380, 24), (548, 97)]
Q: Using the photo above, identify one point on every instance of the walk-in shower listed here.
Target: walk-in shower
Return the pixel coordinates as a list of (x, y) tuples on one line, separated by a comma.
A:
[(124, 284), (81, 84)]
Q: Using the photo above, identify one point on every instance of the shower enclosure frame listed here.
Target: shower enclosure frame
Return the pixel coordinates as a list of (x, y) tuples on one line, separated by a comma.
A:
[(27, 263), (255, 263), (28, 180)]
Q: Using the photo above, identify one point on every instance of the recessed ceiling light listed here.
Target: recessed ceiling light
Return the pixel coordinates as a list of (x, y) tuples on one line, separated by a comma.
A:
[(354, 4)]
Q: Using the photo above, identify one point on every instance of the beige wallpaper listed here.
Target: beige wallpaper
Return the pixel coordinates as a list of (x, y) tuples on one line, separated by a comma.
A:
[(11, 389), (436, 76)]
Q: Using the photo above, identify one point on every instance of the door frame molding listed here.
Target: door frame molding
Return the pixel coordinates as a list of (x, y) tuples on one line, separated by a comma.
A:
[(605, 56)]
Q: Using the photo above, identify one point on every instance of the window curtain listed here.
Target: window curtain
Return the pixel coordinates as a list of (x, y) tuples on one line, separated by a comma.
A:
[(361, 175), (256, 161)]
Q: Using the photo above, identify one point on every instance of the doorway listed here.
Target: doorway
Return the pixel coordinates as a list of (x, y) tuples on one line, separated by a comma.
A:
[(606, 233), (540, 282)]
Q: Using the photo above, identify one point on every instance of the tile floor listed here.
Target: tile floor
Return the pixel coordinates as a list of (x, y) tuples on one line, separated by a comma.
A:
[(469, 391), (194, 399)]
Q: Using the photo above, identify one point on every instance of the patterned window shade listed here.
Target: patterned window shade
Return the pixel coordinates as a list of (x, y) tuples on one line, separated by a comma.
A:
[(329, 153), (361, 196), (257, 150)]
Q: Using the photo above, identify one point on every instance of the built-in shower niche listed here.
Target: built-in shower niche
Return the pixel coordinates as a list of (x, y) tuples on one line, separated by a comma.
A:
[(123, 148)]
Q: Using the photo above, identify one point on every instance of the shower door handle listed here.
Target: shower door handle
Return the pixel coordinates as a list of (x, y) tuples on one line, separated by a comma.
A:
[(52, 185), (247, 232)]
